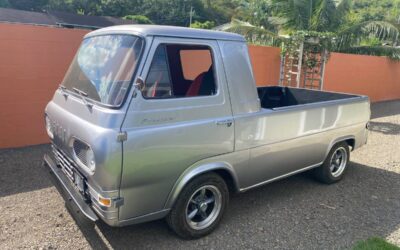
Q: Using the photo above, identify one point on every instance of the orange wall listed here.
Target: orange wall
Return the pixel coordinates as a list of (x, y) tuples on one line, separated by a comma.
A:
[(266, 64), (376, 77), (33, 60), (195, 62)]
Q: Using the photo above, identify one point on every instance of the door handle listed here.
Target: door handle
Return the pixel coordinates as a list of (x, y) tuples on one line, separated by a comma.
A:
[(227, 122)]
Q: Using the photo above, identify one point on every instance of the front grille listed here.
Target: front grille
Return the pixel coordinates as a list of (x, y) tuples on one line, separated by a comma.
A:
[(66, 164), (80, 150), (69, 167)]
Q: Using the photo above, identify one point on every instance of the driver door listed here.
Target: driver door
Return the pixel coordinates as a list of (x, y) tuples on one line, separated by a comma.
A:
[(177, 121)]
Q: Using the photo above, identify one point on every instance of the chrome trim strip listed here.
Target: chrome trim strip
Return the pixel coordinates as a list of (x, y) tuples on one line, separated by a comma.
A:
[(280, 177), (67, 166)]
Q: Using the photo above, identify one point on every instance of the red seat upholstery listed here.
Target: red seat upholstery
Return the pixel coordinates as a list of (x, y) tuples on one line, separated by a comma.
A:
[(195, 86), (153, 89)]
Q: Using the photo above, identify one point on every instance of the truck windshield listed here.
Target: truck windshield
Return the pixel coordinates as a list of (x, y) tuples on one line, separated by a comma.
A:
[(103, 67)]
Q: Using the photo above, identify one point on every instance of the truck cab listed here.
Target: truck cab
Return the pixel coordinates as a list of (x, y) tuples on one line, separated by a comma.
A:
[(153, 121)]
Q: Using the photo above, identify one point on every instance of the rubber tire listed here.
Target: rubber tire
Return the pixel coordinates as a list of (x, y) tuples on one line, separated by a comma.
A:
[(176, 219), (323, 172)]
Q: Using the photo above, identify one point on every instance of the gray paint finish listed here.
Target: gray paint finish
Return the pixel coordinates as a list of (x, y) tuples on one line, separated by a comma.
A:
[(171, 141), (168, 31)]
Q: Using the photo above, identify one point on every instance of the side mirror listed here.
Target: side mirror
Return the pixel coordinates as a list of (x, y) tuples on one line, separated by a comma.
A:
[(139, 83), (139, 86)]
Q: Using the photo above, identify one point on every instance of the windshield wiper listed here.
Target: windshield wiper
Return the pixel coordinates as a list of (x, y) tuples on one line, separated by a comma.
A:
[(63, 90), (83, 95), (81, 92)]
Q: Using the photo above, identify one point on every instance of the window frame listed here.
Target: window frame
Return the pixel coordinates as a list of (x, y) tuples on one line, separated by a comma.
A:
[(165, 44)]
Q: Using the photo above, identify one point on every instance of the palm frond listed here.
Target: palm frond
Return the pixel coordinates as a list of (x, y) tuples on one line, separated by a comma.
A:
[(253, 34), (382, 30), (342, 8), (324, 15), (296, 13)]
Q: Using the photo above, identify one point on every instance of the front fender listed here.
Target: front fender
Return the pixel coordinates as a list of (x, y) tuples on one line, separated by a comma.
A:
[(194, 171)]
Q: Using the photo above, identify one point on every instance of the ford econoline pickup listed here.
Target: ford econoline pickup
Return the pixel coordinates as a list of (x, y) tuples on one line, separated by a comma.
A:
[(156, 122)]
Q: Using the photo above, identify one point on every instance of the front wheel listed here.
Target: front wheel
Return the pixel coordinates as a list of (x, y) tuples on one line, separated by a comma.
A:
[(199, 207), (335, 164)]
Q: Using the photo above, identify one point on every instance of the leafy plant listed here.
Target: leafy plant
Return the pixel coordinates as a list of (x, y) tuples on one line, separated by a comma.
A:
[(138, 19), (37, 5), (253, 34), (205, 25), (4, 4), (375, 244), (329, 21), (392, 53)]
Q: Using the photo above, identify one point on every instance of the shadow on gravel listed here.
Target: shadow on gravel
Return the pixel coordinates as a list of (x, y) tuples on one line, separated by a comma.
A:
[(21, 170), (386, 108), (295, 213), (386, 128), (88, 229)]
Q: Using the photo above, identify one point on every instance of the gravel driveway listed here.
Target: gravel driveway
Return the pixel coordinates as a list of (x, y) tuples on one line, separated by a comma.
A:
[(295, 213)]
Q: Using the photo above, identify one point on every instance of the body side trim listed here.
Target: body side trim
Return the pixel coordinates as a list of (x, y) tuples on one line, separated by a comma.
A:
[(316, 133), (280, 177), (144, 218)]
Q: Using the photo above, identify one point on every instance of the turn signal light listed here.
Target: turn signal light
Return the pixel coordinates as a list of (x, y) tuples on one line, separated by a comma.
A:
[(105, 201)]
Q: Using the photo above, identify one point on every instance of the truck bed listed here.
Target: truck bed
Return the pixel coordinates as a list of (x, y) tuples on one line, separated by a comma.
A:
[(277, 97)]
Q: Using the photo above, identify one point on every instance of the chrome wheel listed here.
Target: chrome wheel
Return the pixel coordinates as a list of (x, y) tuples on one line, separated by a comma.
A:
[(338, 161), (203, 207)]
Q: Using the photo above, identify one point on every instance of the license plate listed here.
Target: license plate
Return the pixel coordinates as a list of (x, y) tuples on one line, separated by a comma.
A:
[(78, 180)]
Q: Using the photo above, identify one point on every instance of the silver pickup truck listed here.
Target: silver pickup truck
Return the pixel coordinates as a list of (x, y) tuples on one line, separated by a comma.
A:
[(152, 122)]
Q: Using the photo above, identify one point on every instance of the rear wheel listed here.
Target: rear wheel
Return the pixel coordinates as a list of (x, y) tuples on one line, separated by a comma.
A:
[(199, 207), (335, 164)]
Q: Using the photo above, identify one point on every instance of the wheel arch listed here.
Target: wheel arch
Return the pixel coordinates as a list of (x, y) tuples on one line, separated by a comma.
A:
[(223, 169), (350, 140)]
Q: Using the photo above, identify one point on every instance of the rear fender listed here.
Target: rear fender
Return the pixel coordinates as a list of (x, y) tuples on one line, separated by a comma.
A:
[(337, 140)]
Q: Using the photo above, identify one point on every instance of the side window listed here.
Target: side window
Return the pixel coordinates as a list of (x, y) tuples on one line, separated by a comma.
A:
[(178, 71), (195, 62), (158, 82)]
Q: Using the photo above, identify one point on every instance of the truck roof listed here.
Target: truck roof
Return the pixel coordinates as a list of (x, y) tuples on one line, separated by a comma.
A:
[(169, 31)]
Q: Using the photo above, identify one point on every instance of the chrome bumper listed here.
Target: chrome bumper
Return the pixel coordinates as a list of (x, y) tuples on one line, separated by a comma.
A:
[(66, 189)]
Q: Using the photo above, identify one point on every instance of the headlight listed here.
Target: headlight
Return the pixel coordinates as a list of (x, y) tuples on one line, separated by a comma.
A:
[(84, 155), (49, 128)]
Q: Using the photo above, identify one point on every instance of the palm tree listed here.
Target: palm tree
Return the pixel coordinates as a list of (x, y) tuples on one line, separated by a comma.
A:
[(318, 18)]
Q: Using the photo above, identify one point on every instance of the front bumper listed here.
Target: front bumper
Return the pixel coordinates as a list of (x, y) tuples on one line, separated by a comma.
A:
[(66, 189)]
